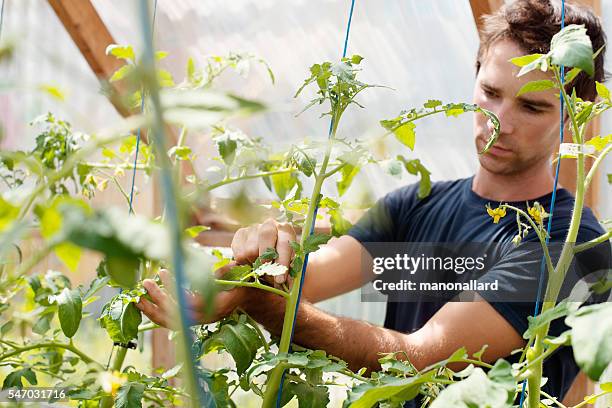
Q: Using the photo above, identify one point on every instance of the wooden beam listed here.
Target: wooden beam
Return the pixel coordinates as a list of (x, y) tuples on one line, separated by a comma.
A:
[(482, 7), (91, 36)]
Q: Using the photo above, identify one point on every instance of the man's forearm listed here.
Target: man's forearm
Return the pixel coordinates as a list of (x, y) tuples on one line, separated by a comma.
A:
[(356, 342)]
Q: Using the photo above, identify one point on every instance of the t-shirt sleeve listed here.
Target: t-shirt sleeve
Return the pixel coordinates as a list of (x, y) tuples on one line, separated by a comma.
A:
[(519, 275), (379, 223)]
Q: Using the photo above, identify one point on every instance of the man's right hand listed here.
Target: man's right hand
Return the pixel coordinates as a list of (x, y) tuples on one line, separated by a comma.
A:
[(251, 242)]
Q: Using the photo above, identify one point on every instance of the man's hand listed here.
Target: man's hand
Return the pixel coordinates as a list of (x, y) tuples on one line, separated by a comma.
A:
[(163, 308), (251, 242)]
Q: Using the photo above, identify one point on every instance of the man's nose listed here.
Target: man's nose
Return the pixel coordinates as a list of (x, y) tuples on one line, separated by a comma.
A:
[(505, 113)]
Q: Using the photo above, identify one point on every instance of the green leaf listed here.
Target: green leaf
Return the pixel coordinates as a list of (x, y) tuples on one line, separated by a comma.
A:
[(501, 373), (571, 75), (15, 379), (389, 363), (124, 52), (43, 324), (269, 254), (600, 142), (121, 73), (541, 63), (240, 340), (314, 241), (165, 78), (6, 328), (339, 225), (130, 320), (525, 59), (307, 165), (406, 135), (180, 152), (416, 167), (160, 55), (562, 309), (69, 254), (283, 184), (536, 86), (393, 389), (53, 91), (602, 91), (571, 47), (130, 395), (221, 260), (591, 333), (271, 269), (432, 104), (195, 230), (218, 386), (191, 70), (563, 339), (477, 390), (356, 59), (121, 318), (308, 396), (347, 174), (70, 309), (8, 214), (237, 273)]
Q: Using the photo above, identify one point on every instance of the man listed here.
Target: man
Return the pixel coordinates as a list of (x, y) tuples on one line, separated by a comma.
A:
[(516, 169)]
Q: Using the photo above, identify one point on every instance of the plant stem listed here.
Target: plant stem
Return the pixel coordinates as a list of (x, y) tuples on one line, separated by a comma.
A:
[(590, 400), (594, 242), (111, 166), (256, 285), (555, 280), (596, 164), (148, 326), (553, 399), (107, 401), (249, 176), (276, 374), (36, 257), (70, 347), (255, 325)]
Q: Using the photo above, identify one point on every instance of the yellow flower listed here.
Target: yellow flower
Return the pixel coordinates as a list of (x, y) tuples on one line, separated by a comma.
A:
[(496, 213), (537, 212), (111, 382)]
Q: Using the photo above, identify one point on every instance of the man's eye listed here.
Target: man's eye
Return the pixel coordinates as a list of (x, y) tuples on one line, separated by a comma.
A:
[(531, 108), (489, 93)]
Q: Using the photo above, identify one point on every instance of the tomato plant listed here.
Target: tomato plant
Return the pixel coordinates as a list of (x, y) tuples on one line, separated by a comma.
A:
[(134, 247)]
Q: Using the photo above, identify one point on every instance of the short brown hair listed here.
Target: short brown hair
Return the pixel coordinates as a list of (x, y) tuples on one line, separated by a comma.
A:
[(531, 24)]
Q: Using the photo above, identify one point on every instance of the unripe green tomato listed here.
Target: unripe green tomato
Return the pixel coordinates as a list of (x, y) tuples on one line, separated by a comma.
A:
[(531, 354)]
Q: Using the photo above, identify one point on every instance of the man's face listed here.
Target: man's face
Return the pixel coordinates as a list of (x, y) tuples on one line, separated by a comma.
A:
[(529, 123)]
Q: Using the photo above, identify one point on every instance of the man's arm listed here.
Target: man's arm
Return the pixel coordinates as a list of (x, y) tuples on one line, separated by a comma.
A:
[(455, 325)]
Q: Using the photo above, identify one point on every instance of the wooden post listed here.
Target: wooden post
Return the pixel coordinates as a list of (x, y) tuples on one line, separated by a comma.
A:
[(482, 7), (91, 36)]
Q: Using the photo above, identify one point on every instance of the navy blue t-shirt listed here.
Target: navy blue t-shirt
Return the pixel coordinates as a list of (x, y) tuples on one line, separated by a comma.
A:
[(454, 213)]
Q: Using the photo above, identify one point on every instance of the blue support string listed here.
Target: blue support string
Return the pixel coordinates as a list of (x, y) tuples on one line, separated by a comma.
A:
[(331, 125), (142, 102), (536, 310), (131, 202)]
